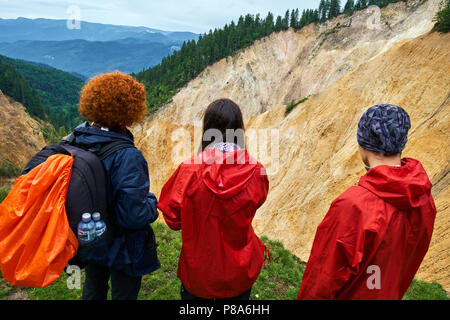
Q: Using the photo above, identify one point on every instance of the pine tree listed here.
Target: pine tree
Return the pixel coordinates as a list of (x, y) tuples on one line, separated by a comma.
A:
[(326, 10), (322, 14), (286, 20), (361, 4), (294, 19), (316, 16), (279, 24), (349, 7), (269, 23), (335, 8)]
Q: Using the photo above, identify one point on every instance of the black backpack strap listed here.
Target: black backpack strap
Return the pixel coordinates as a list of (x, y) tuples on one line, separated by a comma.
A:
[(102, 151), (43, 155), (106, 150), (59, 149)]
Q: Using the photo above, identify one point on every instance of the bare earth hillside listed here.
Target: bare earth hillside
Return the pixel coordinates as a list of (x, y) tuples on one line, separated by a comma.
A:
[(20, 135), (345, 66)]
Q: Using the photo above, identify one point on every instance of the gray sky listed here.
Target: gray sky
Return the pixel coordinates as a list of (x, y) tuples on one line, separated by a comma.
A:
[(171, 15)]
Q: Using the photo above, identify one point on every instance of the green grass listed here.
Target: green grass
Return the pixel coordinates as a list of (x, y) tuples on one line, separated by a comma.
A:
[(293, 104), (421, 290), (336, 28), (279, 281), (3, 193), (5, 289), (57, 291), (163, 284)]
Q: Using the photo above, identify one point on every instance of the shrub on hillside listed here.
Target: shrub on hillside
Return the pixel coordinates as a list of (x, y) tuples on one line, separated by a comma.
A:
[(9, 170), (443, 18), (3, 194)]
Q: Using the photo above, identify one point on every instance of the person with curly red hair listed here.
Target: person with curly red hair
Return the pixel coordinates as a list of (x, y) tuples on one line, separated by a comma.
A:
[(113, 100), (111, 103)]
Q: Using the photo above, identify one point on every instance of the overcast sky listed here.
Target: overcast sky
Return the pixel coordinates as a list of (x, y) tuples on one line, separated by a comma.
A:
[(171, 15)]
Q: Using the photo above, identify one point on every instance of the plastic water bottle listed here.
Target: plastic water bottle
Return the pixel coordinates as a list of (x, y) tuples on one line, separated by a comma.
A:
[(86, 229), (100, 226)]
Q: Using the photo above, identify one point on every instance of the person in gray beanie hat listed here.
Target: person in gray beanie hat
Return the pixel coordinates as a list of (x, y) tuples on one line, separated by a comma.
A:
[(375, 235)]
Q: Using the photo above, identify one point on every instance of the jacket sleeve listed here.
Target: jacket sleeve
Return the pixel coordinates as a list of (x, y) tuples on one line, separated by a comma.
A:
[(263, 186), (135, 206), (257, 192), (171, 199), (337, 251)]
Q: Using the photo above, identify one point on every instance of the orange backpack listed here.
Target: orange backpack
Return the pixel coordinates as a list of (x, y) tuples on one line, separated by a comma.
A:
[(36, 241)]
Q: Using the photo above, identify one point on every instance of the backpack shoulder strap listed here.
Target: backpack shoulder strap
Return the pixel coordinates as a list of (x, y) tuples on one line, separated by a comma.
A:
[(102, 151), (43, 155), (59, 149), (110, 148)]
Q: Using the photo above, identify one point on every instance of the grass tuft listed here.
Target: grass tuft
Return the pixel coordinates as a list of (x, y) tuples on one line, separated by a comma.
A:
[(3, 193), (293, 104)]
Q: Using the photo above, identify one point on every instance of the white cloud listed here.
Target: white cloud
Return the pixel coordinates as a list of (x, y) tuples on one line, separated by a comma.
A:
[(194, 15)]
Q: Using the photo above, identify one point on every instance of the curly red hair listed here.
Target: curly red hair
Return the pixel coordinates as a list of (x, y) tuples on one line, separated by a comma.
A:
[(113, 100)]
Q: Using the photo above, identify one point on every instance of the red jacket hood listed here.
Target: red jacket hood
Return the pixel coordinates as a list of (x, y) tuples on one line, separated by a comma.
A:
[(403, 187), (227, 174), (214, 202)]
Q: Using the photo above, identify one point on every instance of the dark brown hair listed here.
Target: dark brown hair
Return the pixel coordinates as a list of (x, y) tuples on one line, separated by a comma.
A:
[(223, 115)]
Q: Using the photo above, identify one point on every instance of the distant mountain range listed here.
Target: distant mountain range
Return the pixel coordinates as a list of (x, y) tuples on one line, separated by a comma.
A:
[(89, 58), (94, 48), (12, 30)]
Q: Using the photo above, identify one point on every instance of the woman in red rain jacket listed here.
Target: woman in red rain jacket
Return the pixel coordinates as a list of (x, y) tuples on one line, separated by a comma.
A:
[(213, 198), (375, 235)]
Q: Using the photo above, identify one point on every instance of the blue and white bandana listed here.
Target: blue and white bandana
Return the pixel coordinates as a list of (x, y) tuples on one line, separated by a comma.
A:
[(225, 147)]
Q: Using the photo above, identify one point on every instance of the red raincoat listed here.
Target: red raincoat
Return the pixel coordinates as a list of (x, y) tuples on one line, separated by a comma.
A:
[(214, 205), (374, 237)]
